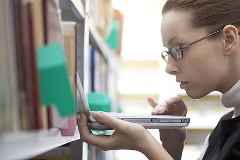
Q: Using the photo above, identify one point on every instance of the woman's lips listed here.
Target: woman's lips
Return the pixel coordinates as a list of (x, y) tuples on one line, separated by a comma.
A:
[(183, 85)]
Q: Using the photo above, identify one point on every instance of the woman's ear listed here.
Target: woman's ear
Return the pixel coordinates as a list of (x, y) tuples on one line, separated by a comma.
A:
[(230, 39)]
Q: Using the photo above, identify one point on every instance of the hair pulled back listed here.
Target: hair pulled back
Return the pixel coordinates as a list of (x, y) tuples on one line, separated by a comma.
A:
[(212, 14)]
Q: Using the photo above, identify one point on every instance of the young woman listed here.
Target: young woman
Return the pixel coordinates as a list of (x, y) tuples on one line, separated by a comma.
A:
[(203, 53)]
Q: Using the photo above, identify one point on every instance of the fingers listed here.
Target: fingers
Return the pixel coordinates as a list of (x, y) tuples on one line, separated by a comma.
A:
[(82, 126), (156, 107), (152, 102), (177, 106), (172, 106), (110, 121), (126, 135), (175, 100), (117, 140), (87, 136)]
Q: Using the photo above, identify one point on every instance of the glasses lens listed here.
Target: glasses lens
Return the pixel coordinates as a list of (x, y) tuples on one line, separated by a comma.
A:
[(177, 52), (165, 56)]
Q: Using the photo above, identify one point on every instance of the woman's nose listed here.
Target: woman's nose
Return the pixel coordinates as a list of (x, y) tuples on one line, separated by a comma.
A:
[(171, 67)]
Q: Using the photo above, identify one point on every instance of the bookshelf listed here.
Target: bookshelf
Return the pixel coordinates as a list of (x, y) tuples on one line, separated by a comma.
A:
[(97, 42), (76, 11), (15, 142), (89, 38), (28, 143)]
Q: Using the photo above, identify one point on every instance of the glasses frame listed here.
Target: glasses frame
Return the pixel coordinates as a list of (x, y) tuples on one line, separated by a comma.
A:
[(179, 49)]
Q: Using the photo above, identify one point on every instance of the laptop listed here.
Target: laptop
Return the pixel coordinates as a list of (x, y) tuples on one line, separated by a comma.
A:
[(148, 121)]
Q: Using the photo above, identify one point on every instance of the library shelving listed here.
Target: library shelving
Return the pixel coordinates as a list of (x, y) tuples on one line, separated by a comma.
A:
[(26, 144)]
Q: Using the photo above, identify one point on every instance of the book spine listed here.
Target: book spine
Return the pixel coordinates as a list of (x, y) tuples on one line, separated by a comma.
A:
[(9, 78), (34, 71), (31, 77)]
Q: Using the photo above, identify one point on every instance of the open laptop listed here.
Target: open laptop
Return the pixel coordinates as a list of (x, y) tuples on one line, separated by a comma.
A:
[(148, 121)]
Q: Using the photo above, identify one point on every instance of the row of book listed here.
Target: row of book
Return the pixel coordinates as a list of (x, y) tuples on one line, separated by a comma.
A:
[(38, 67), (101, 11), (98, 71)]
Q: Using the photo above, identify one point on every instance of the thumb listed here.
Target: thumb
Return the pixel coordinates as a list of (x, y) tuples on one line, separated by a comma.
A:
[(108, 120)]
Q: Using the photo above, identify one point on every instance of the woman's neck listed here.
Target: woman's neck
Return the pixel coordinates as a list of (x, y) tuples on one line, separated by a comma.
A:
[(232, 99)]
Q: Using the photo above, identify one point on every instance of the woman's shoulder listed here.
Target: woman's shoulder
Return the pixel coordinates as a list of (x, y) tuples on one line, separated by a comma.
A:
[(228, 115)]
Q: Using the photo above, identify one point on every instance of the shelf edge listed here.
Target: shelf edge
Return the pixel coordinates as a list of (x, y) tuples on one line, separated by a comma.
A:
[(24, 145)]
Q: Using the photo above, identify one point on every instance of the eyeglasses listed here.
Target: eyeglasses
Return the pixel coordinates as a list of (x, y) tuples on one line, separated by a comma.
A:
[(177, 51)]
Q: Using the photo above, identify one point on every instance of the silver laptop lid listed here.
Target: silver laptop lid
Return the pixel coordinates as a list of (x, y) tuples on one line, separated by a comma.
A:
[(81, 97), (82, 102)]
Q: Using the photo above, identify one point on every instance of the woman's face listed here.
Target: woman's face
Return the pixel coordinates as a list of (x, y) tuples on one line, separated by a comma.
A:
[(202, 68)]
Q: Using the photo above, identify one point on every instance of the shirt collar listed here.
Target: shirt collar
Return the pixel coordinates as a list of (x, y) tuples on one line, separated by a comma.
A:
[(232, 98)]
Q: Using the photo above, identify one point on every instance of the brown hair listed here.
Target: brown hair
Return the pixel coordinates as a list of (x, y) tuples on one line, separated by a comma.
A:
[(213, 14)]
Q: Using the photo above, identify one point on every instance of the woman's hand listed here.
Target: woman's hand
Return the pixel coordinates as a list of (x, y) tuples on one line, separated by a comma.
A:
[(173, 106), (172, 139), (125, 136)]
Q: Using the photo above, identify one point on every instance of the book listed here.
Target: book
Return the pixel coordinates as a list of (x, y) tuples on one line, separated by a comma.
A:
[(29, 51), (9, 83), (2, 99), (45, 31), (70, 50), (54, 79), (20, 62), (39, 42), (70, 43), (52, 35), (98, 71)]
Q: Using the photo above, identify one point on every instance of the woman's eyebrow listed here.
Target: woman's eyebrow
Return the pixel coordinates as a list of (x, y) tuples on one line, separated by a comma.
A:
[(170, 42)]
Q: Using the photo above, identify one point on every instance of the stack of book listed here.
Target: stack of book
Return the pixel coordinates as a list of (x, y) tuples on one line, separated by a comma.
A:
[(37, 67)]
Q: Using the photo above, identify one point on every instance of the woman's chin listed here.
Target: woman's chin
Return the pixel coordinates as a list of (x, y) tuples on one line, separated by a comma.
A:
[(196, 95)]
